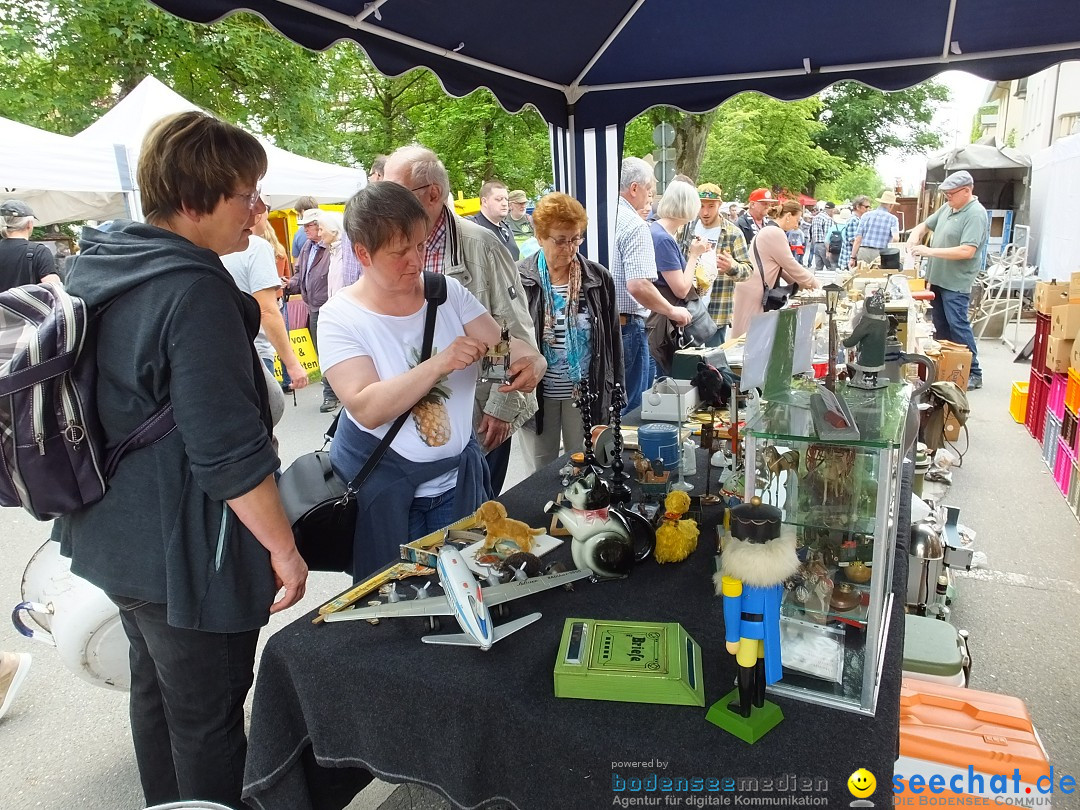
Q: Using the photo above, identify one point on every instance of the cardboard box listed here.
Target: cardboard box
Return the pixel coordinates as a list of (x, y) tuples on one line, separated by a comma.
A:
[(1065, 321), (1074, 287), (1074, 355), (953, 364), (1058, 354), (1050, 294)]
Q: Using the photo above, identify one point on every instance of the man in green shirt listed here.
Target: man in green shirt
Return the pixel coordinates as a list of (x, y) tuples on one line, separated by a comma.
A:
[(956, 253)]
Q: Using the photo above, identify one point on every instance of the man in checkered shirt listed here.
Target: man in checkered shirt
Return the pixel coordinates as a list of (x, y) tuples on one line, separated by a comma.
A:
[(819, 236), (732, 260), (633, 267), (876, 229), (859, 206)]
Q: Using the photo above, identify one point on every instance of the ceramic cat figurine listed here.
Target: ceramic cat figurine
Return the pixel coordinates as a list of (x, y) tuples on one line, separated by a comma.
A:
[(603, 537)]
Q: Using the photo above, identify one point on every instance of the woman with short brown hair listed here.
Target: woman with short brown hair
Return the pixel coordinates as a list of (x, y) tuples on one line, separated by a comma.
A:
[(190, 541)]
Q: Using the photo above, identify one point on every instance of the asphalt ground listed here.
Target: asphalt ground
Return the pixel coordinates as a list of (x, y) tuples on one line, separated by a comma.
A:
[(66, 743)]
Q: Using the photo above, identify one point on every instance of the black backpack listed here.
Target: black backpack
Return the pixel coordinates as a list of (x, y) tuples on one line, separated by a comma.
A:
[(836, 240), (53, 458)]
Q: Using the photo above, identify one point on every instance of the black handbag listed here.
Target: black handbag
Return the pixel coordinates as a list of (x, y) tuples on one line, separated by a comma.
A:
[(776, 297), (320, 507)]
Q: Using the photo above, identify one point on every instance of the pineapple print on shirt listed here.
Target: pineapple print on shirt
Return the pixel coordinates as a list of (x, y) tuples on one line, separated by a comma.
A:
[(430, 415)]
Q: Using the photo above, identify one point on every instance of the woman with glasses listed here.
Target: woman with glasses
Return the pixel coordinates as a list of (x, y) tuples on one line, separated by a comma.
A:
[(572, 303), (191, 541)]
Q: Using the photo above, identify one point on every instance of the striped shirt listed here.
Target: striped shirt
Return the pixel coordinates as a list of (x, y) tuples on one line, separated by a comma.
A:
[(820, 227), (634, 257), (557, 384), (435, 246), (877, 228), (722, 296)]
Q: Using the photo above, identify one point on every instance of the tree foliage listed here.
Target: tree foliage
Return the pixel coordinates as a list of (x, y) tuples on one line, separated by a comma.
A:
[(862, 123), (850, 183), (759, 142), (330, 106)]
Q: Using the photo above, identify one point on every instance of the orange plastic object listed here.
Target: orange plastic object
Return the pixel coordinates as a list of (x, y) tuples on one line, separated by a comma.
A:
[(923, 295), (1072, 392), (960, 727), (1018, 401)]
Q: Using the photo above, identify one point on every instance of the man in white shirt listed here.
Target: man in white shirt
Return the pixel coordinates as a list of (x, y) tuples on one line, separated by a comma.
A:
[(255, 272), (633, 268)]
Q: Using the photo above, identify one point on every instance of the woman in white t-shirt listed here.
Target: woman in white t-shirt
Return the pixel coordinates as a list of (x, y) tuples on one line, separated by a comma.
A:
[(370, 342)]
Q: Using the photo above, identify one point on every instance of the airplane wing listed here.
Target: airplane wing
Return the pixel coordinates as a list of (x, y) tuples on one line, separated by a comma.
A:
[(465, 640), (432, 606), (497, 594)]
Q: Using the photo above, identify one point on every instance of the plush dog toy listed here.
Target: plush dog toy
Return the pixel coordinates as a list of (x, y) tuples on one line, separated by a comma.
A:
[(676, 537), (492, 516), (712, 388)]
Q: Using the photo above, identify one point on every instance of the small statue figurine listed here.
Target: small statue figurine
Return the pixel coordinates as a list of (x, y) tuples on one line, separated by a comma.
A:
[(607, 541), (758, 556), (495, 365), (869, 336)]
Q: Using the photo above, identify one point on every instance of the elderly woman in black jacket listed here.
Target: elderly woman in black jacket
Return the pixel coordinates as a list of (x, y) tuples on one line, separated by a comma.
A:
[(572, 303)]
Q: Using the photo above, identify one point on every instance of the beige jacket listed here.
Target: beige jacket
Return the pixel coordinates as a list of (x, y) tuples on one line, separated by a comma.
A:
[(484, 267)]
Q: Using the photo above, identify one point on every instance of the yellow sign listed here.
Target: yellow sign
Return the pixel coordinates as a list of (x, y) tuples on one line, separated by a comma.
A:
[(305, 353)]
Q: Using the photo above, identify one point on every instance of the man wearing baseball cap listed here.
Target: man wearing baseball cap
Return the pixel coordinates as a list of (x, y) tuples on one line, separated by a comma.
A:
[(519, 221), (959, 234), (753, 219), (876, 229), (21, 261), (732, 260)]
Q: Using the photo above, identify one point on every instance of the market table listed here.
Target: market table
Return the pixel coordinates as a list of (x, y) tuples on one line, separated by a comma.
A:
[(337, 703)]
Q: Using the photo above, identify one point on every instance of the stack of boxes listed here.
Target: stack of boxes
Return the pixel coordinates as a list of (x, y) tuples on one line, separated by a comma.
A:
[(1053, 395)]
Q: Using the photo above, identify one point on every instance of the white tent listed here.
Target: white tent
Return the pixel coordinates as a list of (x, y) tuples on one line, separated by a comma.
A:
[(288, 176), (60, 178)]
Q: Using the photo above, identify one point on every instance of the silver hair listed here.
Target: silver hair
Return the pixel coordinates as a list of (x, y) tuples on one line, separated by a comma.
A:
[(332, 221), (680, 201), (10, 225), (862, 199), (634, 170), (424, 166)]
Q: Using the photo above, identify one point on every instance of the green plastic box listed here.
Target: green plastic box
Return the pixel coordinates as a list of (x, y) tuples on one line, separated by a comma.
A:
[(633, 662)]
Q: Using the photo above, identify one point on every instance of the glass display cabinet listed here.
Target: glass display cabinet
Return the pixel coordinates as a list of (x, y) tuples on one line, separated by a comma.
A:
[(840, 497)]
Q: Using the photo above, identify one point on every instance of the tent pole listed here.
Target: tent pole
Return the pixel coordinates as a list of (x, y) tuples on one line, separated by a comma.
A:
[(574, 85), (572, 155), (948, 30)]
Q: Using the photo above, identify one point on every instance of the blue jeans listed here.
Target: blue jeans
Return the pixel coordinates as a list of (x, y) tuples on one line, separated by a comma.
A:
[(635, 348), (949, 311), (718, 337), (429, 514), (187, 705), (498, 461)]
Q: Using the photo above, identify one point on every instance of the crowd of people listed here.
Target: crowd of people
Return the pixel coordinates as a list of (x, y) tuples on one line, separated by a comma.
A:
[(192, 543)]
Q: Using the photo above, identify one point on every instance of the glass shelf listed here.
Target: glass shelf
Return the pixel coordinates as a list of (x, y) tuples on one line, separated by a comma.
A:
[(880, 416)]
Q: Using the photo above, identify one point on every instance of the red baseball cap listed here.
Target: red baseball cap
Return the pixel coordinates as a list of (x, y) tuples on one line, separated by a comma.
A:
[(762, 194)]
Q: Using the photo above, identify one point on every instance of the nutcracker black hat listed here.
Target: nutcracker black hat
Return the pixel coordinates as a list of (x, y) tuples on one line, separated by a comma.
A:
[(755, 522)]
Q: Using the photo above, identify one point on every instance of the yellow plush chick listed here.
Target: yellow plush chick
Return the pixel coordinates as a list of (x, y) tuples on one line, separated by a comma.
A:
[(675, 538)]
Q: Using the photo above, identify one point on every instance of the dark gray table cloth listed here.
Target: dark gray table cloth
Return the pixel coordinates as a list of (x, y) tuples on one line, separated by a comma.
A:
[(336, 703)]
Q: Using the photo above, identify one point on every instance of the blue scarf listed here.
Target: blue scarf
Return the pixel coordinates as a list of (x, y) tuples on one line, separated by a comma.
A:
[(576, 361)]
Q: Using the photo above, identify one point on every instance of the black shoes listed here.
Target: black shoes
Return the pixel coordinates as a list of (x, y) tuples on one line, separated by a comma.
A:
[(329, 404), (974, 383)]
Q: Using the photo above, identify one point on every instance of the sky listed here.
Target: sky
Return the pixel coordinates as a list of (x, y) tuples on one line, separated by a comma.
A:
[(954, 121)]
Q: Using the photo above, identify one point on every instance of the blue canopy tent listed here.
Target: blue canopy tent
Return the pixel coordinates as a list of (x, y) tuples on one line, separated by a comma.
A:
[(590, 67)]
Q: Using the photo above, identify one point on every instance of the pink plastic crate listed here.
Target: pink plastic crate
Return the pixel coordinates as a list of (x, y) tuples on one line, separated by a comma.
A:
[(1064, 462), (1056, 401)]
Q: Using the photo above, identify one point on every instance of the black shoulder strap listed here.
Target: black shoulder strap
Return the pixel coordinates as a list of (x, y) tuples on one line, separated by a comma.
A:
[(159, 425), (435, 293)]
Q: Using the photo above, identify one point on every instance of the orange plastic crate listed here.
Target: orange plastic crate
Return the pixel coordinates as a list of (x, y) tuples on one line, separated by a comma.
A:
[(1018, 401), (1072, 392)]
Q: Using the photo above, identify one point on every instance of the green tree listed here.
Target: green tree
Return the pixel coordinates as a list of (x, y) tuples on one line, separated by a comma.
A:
[(691, 136), (58, 78), (862, 123), (759, 142), (478, 140), (850, 183)]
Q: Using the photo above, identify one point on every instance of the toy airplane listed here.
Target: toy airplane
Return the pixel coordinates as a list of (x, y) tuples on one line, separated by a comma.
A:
[(465, 600)]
